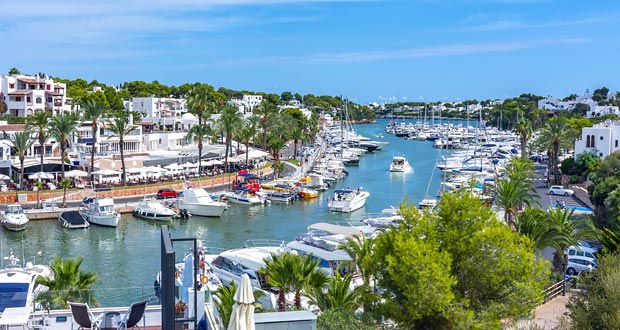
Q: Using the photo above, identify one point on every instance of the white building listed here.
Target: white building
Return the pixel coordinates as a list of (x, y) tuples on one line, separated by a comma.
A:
[(252, 101), (25, 95), (162, 111), (601, 140)]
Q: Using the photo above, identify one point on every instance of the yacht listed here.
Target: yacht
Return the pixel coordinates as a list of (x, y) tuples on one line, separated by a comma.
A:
[(18, 284), (347, 200), (14, 218), (230, 265), (100, 211), (399, 164), (244, 196), (198, 202), (152, 210)]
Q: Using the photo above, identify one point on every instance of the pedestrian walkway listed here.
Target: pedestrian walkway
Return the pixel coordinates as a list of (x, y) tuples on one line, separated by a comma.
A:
[(547, 316)]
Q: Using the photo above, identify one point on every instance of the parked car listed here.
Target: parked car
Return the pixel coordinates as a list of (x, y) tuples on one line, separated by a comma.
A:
[(559, 190), (167, 193), (581, 251), (577, 265)]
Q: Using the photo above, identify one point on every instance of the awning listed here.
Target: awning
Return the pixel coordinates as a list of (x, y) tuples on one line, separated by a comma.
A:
[(336, 229)]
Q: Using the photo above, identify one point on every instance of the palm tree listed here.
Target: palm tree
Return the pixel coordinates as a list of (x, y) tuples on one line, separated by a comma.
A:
[(568, 230), (39, 186), (21, 144), (275, 144), (266, 111), (361, 250), (200, 133), (39, 123), (278, 167), (197, 102), (65, 184), (290, 272), (511, 195), (296, 134), (228, 123), (246, 133), (61, 128), (534, 223), (339, 294), (68, 284), (277, 273), (524, 129), (94, 111), (120, 127), (556, 133), (225, 300)]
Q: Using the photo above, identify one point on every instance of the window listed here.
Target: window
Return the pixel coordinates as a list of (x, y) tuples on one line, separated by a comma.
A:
[(18, 98), (39, 100), (28, 99), (587, 141), (601, 138), (33, 87), (48, 87), (616, 143), (12, 85), (600, 154)]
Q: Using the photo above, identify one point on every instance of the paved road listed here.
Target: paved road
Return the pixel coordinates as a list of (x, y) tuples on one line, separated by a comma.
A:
[(542, 188)]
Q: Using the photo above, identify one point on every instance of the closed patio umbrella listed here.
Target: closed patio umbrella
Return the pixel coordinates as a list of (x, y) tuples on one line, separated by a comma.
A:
[(242, 317)]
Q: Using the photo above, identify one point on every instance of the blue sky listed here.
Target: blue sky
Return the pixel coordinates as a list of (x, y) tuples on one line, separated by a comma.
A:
[(362, 49)]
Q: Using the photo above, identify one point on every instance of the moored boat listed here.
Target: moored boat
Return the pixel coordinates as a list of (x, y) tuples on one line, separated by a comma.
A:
[(244, 196), (18, 283), (73, 220), (152, 210), (198, 202), (14, 218), (100, 211)]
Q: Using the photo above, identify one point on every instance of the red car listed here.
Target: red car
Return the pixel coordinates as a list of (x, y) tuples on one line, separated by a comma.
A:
[(167, 193)]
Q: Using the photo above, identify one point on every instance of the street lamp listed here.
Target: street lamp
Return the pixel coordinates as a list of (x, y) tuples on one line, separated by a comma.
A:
[(564, 264)]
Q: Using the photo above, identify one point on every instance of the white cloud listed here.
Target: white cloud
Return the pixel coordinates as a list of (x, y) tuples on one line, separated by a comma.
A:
[(412, 53), (516, 24)]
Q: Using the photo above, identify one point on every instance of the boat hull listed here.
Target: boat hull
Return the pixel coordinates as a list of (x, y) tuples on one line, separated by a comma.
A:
[(14, 226), (108, 220), (204, 210), (149, 215), (348, 205)]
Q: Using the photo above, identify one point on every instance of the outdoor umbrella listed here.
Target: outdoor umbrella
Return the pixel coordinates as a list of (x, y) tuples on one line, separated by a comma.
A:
[(75, 174), (4, 177), (242, 317), (41, 175)]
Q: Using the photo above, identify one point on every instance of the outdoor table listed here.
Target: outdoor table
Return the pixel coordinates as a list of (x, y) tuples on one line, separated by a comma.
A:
[(13, 316)]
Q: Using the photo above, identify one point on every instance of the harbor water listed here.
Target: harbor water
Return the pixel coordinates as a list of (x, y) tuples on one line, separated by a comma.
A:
[(127, 258)]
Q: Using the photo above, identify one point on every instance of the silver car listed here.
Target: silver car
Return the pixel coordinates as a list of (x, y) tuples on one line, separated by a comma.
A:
[(577, 265)]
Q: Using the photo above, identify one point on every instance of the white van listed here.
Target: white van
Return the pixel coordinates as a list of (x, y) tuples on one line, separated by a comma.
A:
[(581, 251)]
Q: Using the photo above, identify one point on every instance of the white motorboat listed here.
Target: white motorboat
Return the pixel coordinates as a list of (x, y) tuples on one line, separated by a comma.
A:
[(100, 211), (14, 218), (427, 203), (230, 265), (18, 284), (347, 200), (198, 202), (244, 196), (73, 220), (399, 164), (152, 210)]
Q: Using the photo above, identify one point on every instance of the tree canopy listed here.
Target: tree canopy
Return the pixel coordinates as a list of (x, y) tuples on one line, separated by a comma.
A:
[(458, 268)]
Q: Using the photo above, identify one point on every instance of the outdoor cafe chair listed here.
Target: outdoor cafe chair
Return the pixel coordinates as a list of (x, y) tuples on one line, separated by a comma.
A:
[(84, 317), (133, 316)]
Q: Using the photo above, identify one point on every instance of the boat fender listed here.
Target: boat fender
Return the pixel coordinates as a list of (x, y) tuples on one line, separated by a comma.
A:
[(204, 279), (202, 325)]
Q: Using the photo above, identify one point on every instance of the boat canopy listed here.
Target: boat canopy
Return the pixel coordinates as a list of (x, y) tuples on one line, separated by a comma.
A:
[(336, 229), (343, 191), (337, 255)]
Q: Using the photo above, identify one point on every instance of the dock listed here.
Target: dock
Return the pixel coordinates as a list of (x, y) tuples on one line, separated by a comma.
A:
[(53, 212)]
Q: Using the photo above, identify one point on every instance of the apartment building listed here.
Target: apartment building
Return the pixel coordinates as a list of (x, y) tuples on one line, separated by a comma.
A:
[(25, 95)]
